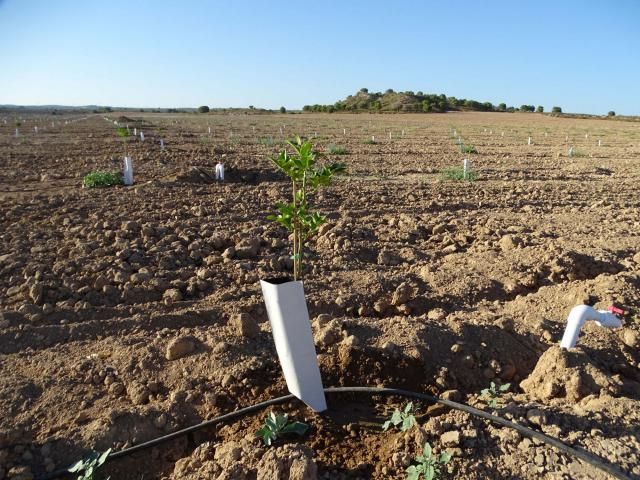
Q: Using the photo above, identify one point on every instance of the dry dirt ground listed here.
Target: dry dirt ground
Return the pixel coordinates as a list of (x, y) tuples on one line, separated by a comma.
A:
[(129, 312)]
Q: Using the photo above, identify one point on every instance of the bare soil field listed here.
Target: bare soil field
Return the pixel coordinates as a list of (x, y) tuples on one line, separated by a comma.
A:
[(127, 313)]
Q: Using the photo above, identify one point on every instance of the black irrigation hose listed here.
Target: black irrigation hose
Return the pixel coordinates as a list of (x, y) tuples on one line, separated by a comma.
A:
[(583, 455)]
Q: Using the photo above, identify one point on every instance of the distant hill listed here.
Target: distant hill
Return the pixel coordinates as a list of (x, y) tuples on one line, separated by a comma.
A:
[(392, 101)]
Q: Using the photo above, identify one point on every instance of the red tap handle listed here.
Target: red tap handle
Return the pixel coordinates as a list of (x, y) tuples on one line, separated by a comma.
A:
[(615, 310)]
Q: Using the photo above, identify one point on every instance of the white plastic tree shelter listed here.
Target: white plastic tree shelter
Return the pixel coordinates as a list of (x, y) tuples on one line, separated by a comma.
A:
[(141, 135), (220, 171), (289, 318), (162, 143), (128, 171), (465, 168), (581, 314)]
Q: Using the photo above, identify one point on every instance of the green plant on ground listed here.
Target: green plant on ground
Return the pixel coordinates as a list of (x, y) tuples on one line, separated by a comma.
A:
[(405, 419), (337, 150), (306, 177), (101, 179), (492, 394), (87, 467), (457, 174), (577, 153), (429, 466), (124, 133), (467, 148), (269, 142), (277, 425)]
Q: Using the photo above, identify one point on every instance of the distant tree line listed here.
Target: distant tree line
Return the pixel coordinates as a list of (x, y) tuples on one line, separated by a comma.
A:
[(391, 101)]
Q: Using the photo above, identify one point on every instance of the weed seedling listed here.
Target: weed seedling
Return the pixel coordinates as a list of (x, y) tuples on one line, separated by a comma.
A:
[(458, 175), (87, 467), (276, 425), (468, 148), (102, 179), (337, 150), (429, 466), (492, 394), (404, 419)]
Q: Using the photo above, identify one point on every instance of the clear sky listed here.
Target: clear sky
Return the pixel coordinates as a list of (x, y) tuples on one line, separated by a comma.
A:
[(583, 55)]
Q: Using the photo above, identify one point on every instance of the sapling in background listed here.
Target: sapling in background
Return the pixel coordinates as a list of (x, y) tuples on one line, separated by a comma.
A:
[(306, 177), (124, 133)]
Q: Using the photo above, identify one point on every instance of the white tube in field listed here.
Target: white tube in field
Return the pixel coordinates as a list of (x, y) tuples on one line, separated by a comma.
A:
[(162, 143), (220, 171), (141, 135), (128, 171), (35, 129), (465, 168), (344, 131), (579, 315), (571, 151), (403, 133), (135, 131), (289, 318), (502, 134), (209, 130), (373, 138), (529, 142), (599, 143), (17, 133)]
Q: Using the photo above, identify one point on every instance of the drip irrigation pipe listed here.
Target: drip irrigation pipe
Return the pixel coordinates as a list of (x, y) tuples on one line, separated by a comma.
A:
[(579, 453)]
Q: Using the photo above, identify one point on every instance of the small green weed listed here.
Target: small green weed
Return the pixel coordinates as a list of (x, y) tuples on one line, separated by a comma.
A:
[(337, 150), (468, 148), (86, 468), (276, 425), (102, 179), (458, 175), (429, 466), (492, 394), (405, 419), (269, 142)]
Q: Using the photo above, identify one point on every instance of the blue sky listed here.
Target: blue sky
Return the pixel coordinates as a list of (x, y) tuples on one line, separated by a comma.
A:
[(581, 55)]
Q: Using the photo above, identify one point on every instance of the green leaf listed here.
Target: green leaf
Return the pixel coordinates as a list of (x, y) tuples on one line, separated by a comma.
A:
[(396, 418), (429, 472), (412, 473), (426, 450), (444, 458), (79, 465), (409, 407), (408, 422), (103, 457), (298, 428), (386, 425), (505, 387)]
